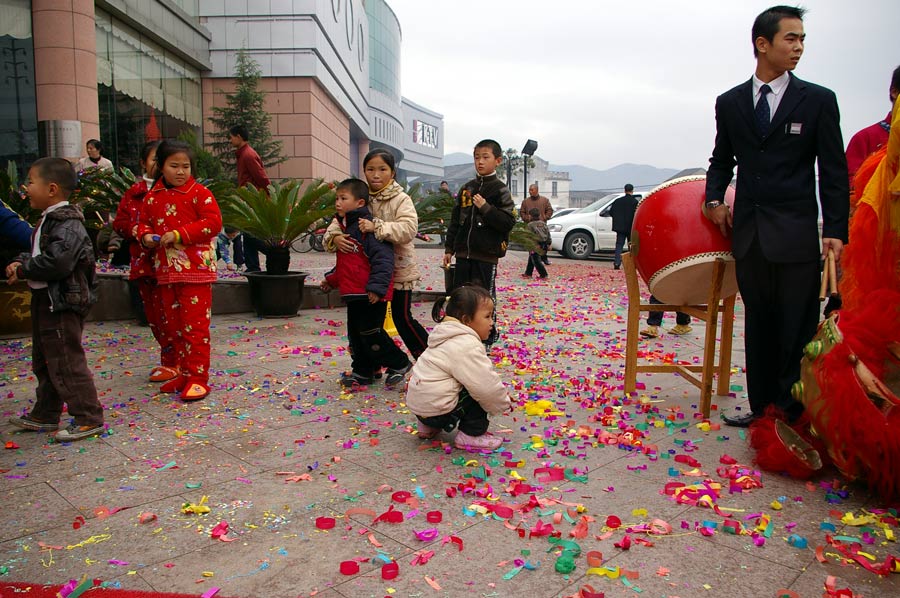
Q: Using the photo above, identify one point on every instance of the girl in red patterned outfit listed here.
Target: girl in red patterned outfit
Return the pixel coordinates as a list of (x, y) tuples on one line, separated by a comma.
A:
[(179, 221), (142, 274)]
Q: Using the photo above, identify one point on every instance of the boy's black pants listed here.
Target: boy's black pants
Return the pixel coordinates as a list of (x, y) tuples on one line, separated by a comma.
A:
[(60, 366), (369, 343), (483, 274)]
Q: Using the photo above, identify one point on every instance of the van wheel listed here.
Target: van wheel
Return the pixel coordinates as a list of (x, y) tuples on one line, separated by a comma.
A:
[(578, 246)]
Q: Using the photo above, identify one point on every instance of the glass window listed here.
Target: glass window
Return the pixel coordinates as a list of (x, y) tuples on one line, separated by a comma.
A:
[(144, 91), (18, 103), (553, 192)]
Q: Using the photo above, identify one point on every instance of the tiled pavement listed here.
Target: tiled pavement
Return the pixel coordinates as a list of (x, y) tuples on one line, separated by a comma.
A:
[(277, 446)]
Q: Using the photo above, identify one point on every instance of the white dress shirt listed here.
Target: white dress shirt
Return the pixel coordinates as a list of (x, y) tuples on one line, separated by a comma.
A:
[(778, 85)]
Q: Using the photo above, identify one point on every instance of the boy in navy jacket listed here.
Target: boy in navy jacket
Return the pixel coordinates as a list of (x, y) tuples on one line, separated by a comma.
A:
[(365, 279)]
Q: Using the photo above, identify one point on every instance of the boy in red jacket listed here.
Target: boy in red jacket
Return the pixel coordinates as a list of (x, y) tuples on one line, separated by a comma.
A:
[(365, 279)]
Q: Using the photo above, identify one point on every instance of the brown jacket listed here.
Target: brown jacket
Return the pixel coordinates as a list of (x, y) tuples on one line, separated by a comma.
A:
[(541, 203)]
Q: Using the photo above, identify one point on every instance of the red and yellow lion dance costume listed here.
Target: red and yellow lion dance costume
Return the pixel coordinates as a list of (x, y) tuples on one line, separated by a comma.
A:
[(850, 374)]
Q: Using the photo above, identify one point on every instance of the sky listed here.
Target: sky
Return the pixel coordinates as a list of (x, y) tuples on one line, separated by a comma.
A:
[(603, 82)]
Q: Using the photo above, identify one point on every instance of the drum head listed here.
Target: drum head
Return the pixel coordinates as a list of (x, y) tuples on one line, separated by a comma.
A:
[(687, 281)]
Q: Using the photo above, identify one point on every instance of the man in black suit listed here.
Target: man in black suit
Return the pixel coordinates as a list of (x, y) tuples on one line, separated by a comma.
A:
[(775, 127), (622, 212)]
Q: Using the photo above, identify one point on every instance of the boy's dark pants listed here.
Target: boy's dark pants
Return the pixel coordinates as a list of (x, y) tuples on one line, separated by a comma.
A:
[(59, 363), (655, 318), (472, 419), (414, 335), (535, 260), (369, 343), (483, 274)]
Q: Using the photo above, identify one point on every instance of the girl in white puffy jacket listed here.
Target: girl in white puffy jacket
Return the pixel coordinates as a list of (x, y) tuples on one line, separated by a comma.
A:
[(453, 382)]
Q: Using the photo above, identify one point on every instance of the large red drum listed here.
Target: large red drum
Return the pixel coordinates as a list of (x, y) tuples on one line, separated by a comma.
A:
[(675, 247)]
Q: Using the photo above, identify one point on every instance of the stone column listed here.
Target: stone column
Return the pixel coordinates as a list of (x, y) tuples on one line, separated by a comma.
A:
[(65, 65)]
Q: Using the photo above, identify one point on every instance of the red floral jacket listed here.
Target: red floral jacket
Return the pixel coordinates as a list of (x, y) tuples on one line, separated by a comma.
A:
[(192, 211)]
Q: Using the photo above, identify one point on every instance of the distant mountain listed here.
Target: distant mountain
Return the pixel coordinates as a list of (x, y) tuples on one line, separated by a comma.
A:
[(584, 178), (457, 158), (639, 175)]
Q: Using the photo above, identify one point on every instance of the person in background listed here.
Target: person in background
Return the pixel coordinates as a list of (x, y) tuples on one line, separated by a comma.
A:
[(250, 169), (60, 271), (536, 201), (15, 233), (223, 243), (873, 137), (777, 129), (141, 277), (542, 234), (94, 158), (622, 212)]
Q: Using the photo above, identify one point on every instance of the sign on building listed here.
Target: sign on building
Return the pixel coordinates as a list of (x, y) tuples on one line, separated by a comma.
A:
[(425, 134)]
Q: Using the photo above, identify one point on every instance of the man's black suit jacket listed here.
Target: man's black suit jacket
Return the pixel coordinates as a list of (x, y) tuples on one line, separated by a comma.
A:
[(775, 195)]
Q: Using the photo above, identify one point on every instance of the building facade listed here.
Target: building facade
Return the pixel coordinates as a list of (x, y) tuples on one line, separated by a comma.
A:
[(552, 184), (126, 71)]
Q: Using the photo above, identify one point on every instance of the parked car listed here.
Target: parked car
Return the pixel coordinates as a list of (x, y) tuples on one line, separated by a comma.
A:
[(562, 212), (580, 233)]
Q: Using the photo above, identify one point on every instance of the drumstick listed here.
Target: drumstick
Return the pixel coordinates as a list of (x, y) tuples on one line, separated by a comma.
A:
[(824, 288), (832, 272)]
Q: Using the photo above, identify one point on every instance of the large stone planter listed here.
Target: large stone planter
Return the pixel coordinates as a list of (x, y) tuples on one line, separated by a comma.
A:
[(276, 295), (15, 309)]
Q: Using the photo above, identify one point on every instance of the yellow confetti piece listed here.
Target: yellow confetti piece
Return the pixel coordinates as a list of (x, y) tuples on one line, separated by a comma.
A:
[(92, 540), (639, 513), (207, 574), (775, 505), (610, 572)]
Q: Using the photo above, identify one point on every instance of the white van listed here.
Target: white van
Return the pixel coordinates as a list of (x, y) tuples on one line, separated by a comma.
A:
[(580, 233)]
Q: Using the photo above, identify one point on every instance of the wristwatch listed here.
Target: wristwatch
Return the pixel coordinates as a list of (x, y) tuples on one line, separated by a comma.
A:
[(712, 205)]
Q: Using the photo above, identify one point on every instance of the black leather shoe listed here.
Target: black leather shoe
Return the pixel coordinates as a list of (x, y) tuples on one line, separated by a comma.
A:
[(740, 421)]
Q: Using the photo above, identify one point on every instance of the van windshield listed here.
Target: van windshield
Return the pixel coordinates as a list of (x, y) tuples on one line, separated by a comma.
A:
[(593, 207)]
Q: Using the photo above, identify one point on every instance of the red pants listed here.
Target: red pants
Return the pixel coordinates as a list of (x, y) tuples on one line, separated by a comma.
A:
[(187, 308), (153, 309)]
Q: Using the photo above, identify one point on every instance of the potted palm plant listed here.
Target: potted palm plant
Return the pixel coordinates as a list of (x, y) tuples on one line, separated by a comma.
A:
[(277, 216)]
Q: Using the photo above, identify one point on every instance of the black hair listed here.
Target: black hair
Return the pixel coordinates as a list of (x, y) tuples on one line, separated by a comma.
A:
[(385, 155), (168, 148), (461, 304), (769, 21), (357, 188), (148, 147), (895, 79), (240, 131), (445, 183), (491, 145), (629, 187), (95, 143), (534, 213), (57, 170), (229, 229)]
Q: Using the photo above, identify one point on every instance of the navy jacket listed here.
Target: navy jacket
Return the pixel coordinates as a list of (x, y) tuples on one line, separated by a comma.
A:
[(368, 269), (14, 232), (775, 195)]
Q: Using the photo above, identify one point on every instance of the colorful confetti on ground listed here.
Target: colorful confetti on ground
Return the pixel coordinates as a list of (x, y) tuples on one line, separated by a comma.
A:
[(280, 484)]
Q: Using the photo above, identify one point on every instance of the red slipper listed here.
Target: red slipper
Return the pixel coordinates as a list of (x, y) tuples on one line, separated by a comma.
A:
[(194, 391), (164, 373), (173, 385)]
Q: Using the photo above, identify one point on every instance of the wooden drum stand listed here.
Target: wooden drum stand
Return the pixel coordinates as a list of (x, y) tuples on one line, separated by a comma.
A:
[(708, 313)]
